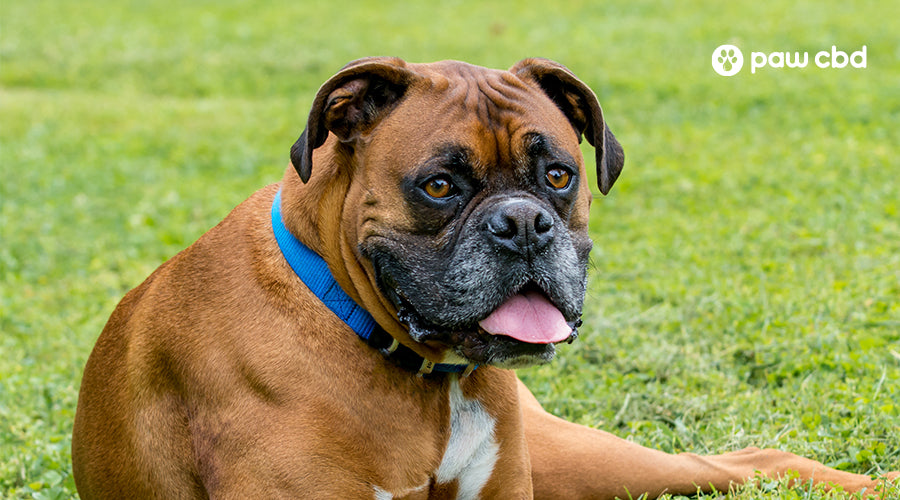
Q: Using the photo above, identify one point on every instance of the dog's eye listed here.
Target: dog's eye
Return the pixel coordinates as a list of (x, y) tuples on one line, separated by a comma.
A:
[(558, 178), (439, 187)]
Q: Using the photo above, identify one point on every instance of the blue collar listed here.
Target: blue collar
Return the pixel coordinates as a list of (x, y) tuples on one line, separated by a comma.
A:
[(314, 273)]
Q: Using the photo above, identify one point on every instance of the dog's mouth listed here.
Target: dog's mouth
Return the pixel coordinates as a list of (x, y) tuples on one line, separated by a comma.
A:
[(521, 331), (528, 316)]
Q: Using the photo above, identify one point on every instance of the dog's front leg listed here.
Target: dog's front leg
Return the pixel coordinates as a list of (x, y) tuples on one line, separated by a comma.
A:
[(574, 461)]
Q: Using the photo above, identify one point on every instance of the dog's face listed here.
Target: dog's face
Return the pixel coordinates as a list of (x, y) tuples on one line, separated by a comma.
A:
[(469, 201)]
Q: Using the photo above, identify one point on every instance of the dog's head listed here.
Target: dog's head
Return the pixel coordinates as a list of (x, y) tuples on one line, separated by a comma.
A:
[(467, 201)]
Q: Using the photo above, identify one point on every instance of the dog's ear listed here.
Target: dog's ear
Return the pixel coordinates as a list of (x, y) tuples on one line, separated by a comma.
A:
[(581, 107), (350, 103)]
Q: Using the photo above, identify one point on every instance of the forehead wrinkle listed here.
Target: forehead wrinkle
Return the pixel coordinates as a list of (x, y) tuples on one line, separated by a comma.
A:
[(499, 104), (490, 105)]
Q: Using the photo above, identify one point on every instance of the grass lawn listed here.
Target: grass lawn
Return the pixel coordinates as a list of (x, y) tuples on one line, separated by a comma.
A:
[(746, 270)]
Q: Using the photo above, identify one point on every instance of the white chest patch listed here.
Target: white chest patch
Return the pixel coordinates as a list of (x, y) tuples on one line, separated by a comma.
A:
[(472, 451)]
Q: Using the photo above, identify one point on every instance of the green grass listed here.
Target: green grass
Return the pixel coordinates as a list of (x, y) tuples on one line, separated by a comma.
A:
[(746, 272)]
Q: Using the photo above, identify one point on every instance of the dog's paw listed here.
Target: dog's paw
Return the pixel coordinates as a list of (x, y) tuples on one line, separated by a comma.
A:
[(887, 486)]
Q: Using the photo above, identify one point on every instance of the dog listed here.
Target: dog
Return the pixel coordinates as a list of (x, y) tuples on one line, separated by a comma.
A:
[(351, 331)]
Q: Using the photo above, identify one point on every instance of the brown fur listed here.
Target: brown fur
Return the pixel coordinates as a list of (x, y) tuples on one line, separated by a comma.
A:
[(222, 376)]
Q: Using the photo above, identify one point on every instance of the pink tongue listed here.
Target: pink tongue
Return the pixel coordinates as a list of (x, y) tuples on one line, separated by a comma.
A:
[(528, 317)]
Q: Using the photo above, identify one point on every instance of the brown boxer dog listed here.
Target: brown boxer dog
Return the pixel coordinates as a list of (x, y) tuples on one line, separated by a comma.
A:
[(349, 332)]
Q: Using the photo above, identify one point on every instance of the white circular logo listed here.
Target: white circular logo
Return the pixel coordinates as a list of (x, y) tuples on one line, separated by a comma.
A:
[(727, 60)]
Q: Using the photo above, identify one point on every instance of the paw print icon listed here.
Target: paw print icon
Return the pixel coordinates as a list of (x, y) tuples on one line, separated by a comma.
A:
[(727, 60)]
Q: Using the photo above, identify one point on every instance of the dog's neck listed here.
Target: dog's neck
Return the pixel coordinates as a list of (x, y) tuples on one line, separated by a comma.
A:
[(319, 228), (314, 273)]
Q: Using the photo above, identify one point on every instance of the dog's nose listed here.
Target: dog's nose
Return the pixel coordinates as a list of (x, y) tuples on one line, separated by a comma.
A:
[(521, 226)]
